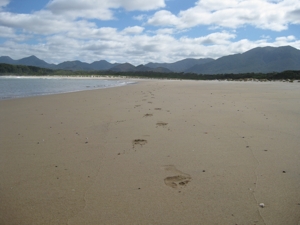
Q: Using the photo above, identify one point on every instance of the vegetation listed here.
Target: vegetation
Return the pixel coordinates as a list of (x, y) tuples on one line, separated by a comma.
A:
[(20, 70), (7, 69)]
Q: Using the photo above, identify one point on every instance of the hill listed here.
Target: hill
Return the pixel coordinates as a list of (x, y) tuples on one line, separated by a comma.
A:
[(180, 66), (257, 60)]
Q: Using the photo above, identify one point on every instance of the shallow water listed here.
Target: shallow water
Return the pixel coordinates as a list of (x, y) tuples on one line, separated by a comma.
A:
[(18, 87)]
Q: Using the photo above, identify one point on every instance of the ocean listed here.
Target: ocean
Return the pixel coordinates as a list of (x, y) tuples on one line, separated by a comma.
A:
[(19, 86)]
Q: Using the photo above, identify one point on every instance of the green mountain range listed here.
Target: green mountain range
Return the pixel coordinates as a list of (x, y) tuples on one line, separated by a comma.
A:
[(257, 60)]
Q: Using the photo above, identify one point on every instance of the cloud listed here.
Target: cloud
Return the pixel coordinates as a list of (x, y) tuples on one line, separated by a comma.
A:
[(294, 16), (95, 9), (4, 3), (63, 31), (41, 22), (133, 30), (270, 15), (164, 18), (140, 17), (165, 31), (63, 16), (121, 46), (6, 32), (81, 9), (140, 5), (45, 23), (286, 39), (219, 38)]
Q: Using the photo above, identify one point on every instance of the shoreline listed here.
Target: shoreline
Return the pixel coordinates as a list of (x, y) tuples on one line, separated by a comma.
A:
[(112, 77), (104, 77), (121, 82), (157, 152), (133, 80)]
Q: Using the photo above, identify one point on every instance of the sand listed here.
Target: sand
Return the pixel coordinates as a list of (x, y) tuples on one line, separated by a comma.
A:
[(156, 152)]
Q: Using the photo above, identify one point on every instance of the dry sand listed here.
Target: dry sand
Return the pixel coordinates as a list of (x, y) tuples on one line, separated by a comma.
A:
[(156, 152)]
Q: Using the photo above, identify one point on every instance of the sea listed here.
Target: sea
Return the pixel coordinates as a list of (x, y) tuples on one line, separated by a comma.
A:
[(20, 86)]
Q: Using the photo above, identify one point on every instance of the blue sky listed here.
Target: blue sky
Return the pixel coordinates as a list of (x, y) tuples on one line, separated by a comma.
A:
[(139, 31)]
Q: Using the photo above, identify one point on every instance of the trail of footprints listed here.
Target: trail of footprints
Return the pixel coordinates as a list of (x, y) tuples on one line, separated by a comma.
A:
[(177, 179), (142, 142)]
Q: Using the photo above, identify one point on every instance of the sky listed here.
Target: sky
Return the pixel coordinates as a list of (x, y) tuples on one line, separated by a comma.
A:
[(142, 31)]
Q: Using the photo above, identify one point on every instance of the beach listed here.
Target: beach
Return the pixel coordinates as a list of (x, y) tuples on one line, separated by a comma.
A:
[(154, 152)]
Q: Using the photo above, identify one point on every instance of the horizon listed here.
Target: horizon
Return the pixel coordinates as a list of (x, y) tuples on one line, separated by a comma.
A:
[(120, 63), (139, 32)]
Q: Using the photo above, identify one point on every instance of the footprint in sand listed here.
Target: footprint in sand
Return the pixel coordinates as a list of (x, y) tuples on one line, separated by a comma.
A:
[(148, 114), (179, 180), (161, 124), (140, 142)]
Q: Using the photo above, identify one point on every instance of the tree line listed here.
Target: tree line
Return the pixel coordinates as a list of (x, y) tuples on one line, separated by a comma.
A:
[(21, 70)]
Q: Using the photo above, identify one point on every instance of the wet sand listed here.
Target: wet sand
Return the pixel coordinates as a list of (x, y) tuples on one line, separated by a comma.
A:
[(156, 152)]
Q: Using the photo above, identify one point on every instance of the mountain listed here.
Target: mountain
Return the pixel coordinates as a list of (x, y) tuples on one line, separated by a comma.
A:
[(142, 68), (257, 60), (102, 65), (67, 65), (73, 65), (28, 61), (161, 70), (6, 59), (34, 61), (180, 66), (125, 67)]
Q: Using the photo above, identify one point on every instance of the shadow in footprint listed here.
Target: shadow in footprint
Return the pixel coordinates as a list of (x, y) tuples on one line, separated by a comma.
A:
[(140, 142), (161, 124), (179, 180)]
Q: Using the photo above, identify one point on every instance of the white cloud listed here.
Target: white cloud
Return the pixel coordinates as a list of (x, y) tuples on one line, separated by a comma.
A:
[(45, 23), (165, 31), (99, 9), (118, 46), (63, 31), (42, 22), (139, 4), (285, 39), (219, 38), (232, 14), (7, 32), (4, 3), (81, 9), (140, 17), (164, 18), (133, 30), (294, 15)]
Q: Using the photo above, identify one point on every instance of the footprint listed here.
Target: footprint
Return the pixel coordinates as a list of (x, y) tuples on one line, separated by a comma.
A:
[(121, 121), (148, 114), (157, 108), (140, 142), (179, 180), (161, 124)]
